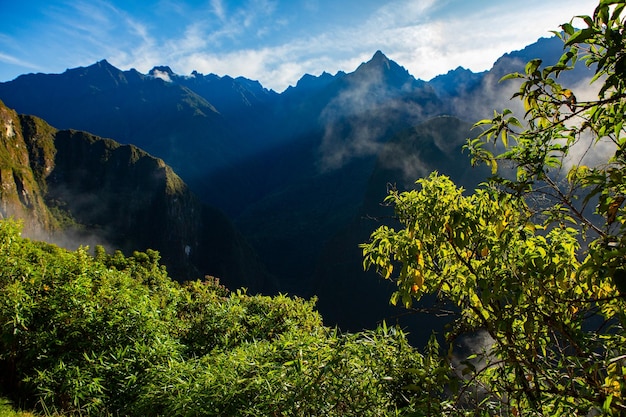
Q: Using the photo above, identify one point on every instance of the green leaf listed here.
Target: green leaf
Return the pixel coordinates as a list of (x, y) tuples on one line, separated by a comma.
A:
[(581, 36), (511, 76), (532, 66), (568, 28)]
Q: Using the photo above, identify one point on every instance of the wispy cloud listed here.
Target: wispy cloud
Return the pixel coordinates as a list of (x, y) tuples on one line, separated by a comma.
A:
[(273, 42), (218, 9), (476, 38), (9, 59)]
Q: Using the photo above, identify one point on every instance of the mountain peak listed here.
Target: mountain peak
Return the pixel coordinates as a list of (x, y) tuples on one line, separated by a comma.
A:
[(100, 65), (456, 81), (308, 81), (163, 72), (381, 62), (161, 68), (102, 71), (381, 66), (379, 56)]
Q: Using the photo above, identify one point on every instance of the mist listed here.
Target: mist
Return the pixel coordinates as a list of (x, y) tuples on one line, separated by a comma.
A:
[(362, 117)]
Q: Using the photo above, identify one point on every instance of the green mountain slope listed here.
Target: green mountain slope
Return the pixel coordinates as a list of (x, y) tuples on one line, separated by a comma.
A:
[(75, 188)]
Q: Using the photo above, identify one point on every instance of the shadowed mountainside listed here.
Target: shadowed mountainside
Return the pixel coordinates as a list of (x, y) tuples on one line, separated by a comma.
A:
[(294, 171), (74, 188)]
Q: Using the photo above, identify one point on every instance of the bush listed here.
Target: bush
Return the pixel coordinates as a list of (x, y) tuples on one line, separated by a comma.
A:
[(113, 335)]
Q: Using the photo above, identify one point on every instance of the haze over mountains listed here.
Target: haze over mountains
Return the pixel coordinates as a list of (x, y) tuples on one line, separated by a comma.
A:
[(75, 189), (300, 174)]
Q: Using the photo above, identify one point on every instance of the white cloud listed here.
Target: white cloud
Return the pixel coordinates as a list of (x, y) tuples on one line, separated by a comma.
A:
[(218, 9), (162, 75), (9, 59), (256, 39), (474, 40)]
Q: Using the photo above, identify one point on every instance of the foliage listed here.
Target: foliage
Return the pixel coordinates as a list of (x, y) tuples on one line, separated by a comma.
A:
[(108, 334), (295, 375), (7, 410), (526, 257)]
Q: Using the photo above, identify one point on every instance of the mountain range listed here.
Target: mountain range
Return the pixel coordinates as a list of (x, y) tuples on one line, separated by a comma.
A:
[(289, 183)]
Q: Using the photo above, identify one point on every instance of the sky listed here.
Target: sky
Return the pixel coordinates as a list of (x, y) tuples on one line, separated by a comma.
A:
[(273, 41)]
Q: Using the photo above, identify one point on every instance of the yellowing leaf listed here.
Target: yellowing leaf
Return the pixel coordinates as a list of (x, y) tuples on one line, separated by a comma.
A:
[(394, 298), (500, 226), (493, 164), (388, 271), (418, 279), (420, 259)]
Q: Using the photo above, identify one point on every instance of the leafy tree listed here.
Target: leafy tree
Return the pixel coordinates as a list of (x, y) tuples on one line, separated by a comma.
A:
[(527, 257)]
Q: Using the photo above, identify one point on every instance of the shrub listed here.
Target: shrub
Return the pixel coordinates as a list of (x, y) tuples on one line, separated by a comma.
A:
[(114, 335)]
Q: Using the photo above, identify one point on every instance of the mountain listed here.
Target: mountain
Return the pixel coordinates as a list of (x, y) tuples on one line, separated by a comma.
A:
[(166, 119), (74, 188), (473, 97), (296, 172), (310, 82), (320, 174), (22, 192), (456, 82), (434, 145)]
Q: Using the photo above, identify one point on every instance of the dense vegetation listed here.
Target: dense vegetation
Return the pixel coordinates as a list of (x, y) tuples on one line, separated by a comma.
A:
[(106, 334), (536, 257)]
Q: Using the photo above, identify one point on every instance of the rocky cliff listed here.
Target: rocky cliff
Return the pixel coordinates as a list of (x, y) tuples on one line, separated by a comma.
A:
[(75, 188)]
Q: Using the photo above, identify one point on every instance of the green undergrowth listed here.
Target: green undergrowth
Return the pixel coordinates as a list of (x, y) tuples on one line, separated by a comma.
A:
[(108, 334), (7, 410)]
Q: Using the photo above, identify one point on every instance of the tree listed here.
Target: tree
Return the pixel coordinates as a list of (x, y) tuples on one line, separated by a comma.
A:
[(526, 257)]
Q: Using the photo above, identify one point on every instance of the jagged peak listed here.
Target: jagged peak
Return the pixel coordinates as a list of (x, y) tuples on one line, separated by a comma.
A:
[(103, 68), (309, 81), (104, 64), (459, 69), (161, 68), (379, 56), (380, 61), (162, 72), (381, 66)]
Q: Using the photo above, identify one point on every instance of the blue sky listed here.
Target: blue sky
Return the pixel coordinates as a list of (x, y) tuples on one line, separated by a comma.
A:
[(273, 41)]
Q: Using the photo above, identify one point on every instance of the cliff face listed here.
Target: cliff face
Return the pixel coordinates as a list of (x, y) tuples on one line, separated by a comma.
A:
[(21, 194), (75, 188), (129, 198)]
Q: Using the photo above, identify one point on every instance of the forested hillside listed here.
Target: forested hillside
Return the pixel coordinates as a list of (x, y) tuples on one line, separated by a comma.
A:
[(74, 188), (521, 252)]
